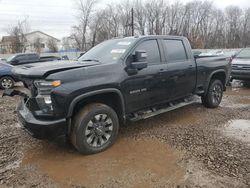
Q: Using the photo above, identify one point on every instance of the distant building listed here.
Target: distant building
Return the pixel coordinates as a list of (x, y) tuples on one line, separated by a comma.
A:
[(6, 44), (35, 41)]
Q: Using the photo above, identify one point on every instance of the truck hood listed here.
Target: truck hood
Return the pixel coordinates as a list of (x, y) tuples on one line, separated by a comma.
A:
[(42, 70)]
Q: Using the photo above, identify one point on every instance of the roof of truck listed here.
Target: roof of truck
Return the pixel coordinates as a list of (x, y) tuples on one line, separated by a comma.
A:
[(158, 36)]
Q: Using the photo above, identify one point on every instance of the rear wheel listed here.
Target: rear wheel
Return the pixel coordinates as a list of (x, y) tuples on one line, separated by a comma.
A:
[(6, 82), (214, 94), (94, 128)]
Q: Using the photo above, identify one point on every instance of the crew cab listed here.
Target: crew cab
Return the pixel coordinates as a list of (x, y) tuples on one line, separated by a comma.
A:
[(119, 80)]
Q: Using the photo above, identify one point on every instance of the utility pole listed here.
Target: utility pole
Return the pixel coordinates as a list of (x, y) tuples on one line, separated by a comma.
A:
[(132, 22)]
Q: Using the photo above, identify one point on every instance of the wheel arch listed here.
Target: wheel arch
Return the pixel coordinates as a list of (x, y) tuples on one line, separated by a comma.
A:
[(111, 97), (6, 75), (219, 75)]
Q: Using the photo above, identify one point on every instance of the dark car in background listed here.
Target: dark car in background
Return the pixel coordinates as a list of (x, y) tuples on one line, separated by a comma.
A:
[(241, 65), (25, 58), (7, 79)]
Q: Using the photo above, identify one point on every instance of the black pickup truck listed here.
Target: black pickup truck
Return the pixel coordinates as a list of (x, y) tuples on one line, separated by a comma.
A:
[(119, 80)]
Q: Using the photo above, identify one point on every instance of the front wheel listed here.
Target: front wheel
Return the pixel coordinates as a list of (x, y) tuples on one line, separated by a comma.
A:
[(214, 94), (94, 128)]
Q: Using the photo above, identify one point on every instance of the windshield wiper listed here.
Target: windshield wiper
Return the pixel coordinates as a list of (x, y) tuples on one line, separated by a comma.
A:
[(91, 60)]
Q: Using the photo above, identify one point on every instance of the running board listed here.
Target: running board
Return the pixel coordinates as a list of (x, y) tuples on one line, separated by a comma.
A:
[(171, 106)]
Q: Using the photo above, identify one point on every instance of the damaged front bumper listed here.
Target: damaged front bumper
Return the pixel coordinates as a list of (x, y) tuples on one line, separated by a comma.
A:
[(38, 128)]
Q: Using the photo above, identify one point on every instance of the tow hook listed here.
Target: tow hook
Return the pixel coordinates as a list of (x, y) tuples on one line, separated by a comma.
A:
[(12, 92)]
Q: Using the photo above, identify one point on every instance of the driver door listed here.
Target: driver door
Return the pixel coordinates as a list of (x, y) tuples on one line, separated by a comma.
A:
[(144, 88)]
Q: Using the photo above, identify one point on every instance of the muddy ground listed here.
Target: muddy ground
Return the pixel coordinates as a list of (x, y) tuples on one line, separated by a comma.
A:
[(189, 147)]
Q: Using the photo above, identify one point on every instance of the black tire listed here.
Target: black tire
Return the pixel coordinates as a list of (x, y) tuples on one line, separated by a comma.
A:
[(6, 82), (214, 94), (82, 130)]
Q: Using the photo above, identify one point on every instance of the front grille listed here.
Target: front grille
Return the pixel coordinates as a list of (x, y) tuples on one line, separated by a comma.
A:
[(31, 104), (28, 83), (241, 67), (44, 91)]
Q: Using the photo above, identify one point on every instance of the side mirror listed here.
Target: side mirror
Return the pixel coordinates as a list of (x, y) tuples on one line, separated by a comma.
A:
[(140, 60), (196, 56)]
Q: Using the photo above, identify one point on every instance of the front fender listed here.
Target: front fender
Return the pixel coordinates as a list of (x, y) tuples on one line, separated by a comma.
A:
[(92, 93)]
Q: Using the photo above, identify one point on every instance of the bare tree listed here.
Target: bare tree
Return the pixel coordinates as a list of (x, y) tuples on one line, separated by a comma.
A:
[(246, 28), (140, 17), (17, 34), (52, 45), (84, 9), (37, 44), (199, 20), (68, 43), (233, 16)]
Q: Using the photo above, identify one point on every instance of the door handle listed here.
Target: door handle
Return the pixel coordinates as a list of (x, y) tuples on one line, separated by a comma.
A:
[(161, 71)]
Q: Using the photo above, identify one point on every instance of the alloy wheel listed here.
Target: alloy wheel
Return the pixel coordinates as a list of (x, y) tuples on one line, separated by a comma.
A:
[(99, 130), (217, 94), (7, 83)]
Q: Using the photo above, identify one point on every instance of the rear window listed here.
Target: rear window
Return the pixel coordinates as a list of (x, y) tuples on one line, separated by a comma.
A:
[(175, 50)]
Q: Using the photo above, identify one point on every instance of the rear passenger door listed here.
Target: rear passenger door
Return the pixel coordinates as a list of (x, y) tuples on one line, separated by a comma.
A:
[(181, 70)]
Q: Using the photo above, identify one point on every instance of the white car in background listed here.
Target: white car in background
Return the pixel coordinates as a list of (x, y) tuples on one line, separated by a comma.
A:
[(212, 53), (241, 65)]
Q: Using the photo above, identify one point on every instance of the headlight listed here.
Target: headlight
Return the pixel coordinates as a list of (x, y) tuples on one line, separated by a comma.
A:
[(43, 83), (45, 87), (43, 97)]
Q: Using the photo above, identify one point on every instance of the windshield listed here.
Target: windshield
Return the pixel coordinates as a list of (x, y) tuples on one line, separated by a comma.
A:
[(244, 54), (10, 58), (108, 51)]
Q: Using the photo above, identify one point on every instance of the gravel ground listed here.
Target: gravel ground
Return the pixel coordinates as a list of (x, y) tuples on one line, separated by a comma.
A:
[(189, 147)]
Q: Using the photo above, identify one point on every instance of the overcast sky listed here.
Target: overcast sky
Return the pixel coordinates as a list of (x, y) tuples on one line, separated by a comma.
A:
[(55, 17)]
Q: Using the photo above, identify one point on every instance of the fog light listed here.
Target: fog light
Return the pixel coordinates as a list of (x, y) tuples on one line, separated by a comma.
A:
[(47, 100), (44, 103)]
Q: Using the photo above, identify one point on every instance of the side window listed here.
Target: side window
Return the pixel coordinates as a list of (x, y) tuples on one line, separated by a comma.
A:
[(152, 49), (21, 57), (32, 57), (175, 50)]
